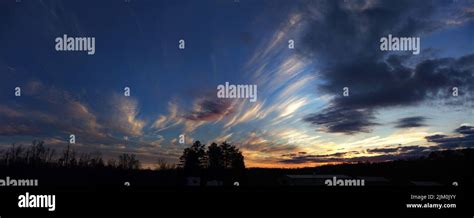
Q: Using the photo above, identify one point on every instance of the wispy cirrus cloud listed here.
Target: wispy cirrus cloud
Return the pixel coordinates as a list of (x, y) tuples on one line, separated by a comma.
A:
[(173, 118), (246, 112), (52, 110), (123, 116), (300, 117), (55, 114)]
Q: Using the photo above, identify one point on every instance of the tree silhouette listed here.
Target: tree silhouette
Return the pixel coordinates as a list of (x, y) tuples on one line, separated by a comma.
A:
[(68, 158), (38, 155), (194, 157), (13, 155), (128, 162), (162, 164), (93, 160), (232, 158), (237, 160), (112, 163), (224, 156), (214, 155)]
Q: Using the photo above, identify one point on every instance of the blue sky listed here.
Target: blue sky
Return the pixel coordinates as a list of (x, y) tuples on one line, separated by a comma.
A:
[(300, 117)]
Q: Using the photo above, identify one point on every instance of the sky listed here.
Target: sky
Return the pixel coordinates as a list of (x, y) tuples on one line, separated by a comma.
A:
[(400, 105)]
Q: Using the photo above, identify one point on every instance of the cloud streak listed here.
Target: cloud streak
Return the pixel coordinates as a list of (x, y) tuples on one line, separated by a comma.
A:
[(409, 122)]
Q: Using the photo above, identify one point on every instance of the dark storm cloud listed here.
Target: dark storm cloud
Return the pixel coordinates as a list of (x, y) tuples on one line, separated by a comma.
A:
[(210, 109), (297, 158), (378, 158), (466, 130), (382, 150), (384, 154), (400, 149), (334, 155), (377, 85), (409, 122), (341, 31), (385, 84), (343, 120), (466, 139), (345, 39), (433, 138), (456, 142)]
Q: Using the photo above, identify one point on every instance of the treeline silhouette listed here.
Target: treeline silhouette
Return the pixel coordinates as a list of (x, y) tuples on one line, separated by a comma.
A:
[(223, 156), (37, 155), (194, 158), (442, 166), (222, 164)]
